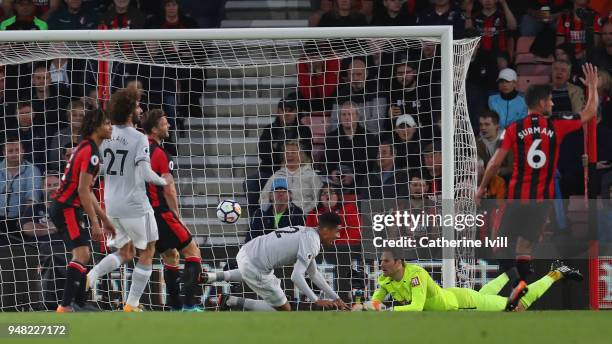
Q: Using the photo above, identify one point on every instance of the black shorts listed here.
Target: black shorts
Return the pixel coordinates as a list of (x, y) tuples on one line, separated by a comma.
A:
[(524, 219), (69, 222), (172, 232)]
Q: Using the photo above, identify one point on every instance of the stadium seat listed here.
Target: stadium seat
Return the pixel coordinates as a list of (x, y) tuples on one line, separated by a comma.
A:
[(527, 69), (523, 44), (525, 81)]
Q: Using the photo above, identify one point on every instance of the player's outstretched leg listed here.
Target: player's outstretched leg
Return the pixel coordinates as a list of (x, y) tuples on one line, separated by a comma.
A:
[(495, 286), (107, 265), (559, 270), (170, 259), (240, 303), (140, 278), (227, 276)]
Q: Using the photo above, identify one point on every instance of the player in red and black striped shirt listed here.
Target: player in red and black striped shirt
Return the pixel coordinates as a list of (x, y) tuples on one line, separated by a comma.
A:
[(173, 234), (534, 142), (75, 196)]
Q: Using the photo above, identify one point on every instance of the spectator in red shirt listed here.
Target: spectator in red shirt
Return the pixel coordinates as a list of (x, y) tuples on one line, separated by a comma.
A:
[(581, 28), (494, 23), (171, 17), (317, 79), (330, 200)]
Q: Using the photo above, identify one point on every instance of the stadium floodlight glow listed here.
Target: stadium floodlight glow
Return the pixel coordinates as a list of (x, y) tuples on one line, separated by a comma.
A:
[(240, 75)]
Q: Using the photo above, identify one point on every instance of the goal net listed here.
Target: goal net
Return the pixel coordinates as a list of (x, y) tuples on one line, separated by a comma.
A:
[(364, 122)]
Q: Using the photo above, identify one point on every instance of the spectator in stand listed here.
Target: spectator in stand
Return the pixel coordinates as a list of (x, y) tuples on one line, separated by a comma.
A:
[(281, 213), (25, 18), (73, 16), (384, 181), (20, 185), (542, 14), (47, 100), (494, 23), (324, 7), (42, 8), (33, 138), (171, 17), (567, 97), (603, 55), (303, 181), (67, 136), (480, 82), (432, 168), (392, 15), (207, 14), (74, 74), (496, 188), (443, 12), (122, 16), (581, 28), (407, 143), (342, 15), (349, 145), (488, 140), (356, 87), (406, 98), (35, 222), (317, 79), (507, 103), (347, 247), (286, 126), (330, 200), (6, 122)]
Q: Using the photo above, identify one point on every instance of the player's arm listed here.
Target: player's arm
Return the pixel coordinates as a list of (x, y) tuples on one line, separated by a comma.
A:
[(144, 170), (297, 277), (491, 171), (319, 281), (419, 294), (87, 201), (380, 294), (170, 193), (590, 80)]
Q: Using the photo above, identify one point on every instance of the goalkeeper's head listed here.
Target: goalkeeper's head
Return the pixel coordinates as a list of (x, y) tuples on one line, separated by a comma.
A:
[(391, 262), (155, 124), (329, 225)]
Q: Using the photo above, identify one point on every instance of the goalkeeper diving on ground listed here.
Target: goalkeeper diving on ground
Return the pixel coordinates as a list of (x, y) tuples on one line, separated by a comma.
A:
[(412, 289)]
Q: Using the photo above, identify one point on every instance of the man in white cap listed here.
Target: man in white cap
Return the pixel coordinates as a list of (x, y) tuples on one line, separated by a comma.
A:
[(508, 103)]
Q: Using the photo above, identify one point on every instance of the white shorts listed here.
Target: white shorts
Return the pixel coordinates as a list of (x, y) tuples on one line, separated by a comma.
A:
[(264, 284), (140, 230)]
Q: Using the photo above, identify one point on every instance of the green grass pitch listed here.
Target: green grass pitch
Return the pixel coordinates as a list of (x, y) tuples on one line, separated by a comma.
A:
[(323, 327)]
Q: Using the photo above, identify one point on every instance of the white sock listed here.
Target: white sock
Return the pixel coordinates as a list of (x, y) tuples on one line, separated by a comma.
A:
[(106, 265), (140, 278), (232, 276), (249, 304)]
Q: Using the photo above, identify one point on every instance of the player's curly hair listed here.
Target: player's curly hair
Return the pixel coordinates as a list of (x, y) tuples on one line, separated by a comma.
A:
[(122, 104), (151, 119), (93, 120)]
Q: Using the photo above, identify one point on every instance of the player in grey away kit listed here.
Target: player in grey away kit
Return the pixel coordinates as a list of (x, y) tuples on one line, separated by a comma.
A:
[(295, 245), (126, 168)]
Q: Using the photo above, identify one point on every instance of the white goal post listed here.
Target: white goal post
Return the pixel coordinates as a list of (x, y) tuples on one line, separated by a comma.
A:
[(241, 49)]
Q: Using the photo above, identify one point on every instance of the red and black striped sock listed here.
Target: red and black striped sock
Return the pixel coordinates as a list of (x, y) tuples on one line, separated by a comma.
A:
[(191, 279), (171, 278), (74, 275)]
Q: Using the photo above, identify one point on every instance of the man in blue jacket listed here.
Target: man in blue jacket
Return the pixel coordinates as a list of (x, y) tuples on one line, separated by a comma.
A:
[(281, 212), (508, 103)]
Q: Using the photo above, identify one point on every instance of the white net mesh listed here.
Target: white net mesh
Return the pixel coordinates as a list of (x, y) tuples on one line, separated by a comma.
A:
[(356, 118)]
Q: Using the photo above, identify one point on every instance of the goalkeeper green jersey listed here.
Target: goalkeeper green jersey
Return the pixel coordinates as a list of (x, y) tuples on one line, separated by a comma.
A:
[(417, 291)]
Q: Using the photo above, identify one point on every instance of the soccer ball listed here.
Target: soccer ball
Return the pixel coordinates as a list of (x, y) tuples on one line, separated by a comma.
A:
[(228, 211)]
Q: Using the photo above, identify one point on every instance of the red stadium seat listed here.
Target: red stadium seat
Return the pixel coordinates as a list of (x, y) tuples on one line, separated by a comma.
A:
[(525, 69), (524, 44), (525, 81)]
